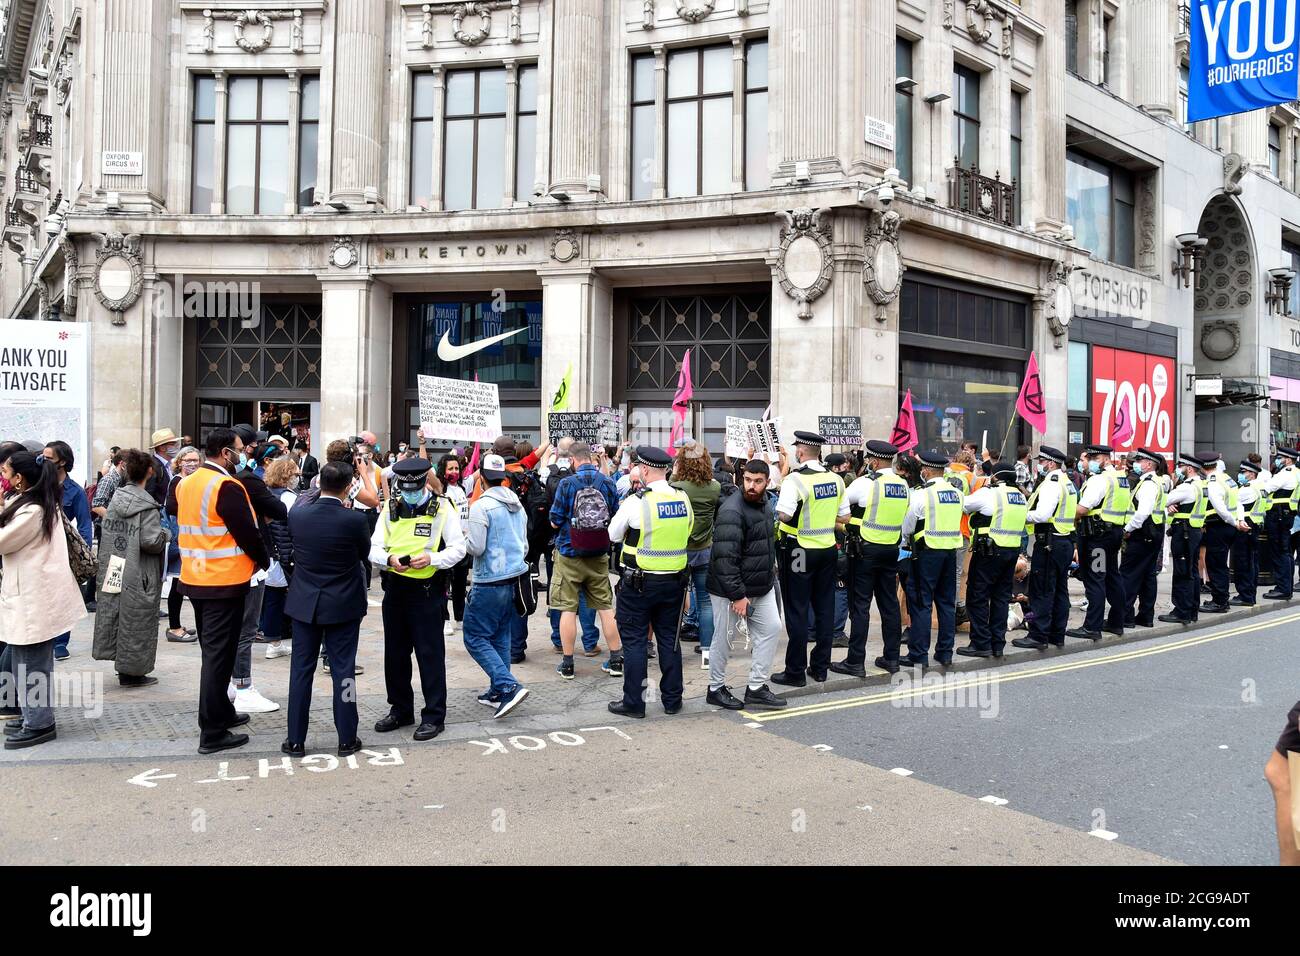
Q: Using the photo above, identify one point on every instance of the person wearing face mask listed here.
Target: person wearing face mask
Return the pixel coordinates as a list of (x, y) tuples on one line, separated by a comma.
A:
[(221, 550), (1144, 535), (164, 444), (1102, 511), (417, 541), (1281, 489), (1053, 511), (1255, 502), (1223, 521), (1186, 507)]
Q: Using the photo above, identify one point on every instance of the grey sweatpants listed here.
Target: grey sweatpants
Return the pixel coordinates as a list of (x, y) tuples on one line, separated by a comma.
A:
[(764, 633)]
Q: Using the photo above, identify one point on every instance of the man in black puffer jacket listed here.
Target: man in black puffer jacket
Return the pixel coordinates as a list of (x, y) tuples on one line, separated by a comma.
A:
[(741, 582)]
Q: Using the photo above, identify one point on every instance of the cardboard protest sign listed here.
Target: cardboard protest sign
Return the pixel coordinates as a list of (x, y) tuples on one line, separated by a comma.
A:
[(459, 410), (840, 429)]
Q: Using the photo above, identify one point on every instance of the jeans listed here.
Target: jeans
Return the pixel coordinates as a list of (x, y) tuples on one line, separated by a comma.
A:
[(586, 621), (274, 624), (243, 676), (490, 622), (700, 616), (61, 642), (35, 664)]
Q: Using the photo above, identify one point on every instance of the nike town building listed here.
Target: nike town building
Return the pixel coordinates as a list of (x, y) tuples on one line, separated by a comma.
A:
[(289, 212)]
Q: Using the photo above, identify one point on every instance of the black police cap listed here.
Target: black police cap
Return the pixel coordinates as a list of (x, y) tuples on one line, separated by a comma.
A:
[(653, 457), (881, 449)]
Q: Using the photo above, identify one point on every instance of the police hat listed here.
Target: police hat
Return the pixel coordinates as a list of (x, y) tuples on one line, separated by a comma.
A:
[(1208, 458), (410, 473), (1004, 472), (1185, 458), (834, 460), (881, 449), (809, 438), (1148, 454), (1291, 453), (653, 457), (1051, 454), (933, 459), (1098, 450), (1249, 466)]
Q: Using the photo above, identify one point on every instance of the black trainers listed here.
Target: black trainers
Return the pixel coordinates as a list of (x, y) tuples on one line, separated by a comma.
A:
[(723, 697), (763, 697), (614, 666), (565, 668)]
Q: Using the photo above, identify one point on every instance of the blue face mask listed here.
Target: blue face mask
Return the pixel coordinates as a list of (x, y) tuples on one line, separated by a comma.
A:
[(1243, 478), (1094, 467), (412, 498)]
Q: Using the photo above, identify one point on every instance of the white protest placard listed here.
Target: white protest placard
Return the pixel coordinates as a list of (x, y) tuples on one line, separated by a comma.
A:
[(765, 436), (738, 442), (459, 410), (45, 386)]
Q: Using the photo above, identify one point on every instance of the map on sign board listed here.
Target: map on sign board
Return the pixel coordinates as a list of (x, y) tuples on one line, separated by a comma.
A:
[(459, 410), (840, 429)]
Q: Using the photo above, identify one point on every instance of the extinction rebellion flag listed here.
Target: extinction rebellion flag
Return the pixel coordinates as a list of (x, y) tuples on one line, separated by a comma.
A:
[(1244, 55)]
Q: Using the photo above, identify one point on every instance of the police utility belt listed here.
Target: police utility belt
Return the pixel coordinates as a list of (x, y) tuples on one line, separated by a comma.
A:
[(635, 578)]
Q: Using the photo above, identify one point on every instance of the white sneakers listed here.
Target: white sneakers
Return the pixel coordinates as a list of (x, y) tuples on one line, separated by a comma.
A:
[(249, 701), (704, 658), (277, 649)]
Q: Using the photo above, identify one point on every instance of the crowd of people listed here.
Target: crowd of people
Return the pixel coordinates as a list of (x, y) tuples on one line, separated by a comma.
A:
[(273, 548)]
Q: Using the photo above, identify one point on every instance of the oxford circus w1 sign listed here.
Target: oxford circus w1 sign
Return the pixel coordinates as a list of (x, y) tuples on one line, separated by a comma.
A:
[(1245, 54)]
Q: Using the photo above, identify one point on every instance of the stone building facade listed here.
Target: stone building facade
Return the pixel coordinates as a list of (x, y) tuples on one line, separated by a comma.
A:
[(259, 203)]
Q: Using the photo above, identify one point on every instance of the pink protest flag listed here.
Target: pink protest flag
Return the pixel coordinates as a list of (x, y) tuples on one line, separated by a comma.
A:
[(681, 402), (1029, 404), (904, 436), (1122, 432), (473, 461)]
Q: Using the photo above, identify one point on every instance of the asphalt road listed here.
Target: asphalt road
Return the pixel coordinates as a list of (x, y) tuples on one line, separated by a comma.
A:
[(1161, 743)]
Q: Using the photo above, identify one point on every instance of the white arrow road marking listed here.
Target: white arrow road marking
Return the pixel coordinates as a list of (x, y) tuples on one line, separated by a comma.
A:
[(1103, 834), (147, 778), (822, 747), (901, 771), (996, 801)]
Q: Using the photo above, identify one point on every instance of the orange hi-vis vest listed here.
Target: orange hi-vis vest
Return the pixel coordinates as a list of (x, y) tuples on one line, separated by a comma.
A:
[(209, 555)]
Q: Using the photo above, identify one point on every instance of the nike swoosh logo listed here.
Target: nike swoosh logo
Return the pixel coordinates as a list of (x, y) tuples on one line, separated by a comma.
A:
[(454, 353)]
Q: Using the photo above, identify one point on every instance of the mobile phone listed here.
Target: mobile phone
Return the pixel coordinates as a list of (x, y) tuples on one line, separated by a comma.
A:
[(404, 560)]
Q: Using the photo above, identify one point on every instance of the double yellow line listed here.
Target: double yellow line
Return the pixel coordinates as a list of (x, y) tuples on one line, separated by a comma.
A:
[(977, 678)]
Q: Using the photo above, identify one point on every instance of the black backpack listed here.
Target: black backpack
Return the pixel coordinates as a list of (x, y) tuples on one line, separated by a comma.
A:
[(537, 505)]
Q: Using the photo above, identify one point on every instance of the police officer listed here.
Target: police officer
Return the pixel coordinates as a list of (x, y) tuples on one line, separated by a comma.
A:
[(839, 465), (933, 522), (1103, 508), (998, 512), (416, 539), (808, 508), (654, 525), (877, 503), (1144, 540), (1255, 502), (1186, 507), (1223, 522), (1281, 487), (1053, 511)]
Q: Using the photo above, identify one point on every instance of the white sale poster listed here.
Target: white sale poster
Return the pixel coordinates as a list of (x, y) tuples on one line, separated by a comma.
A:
[(45, 387)]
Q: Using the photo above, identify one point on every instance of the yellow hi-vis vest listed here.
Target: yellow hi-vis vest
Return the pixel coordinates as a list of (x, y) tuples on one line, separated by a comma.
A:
[(1009, 512), (1114, 507), (882, 518), (1064, 517), (1259, 507), (660, 545), (1157, 517), (1194, 514), (421, 534), (819, 507), (942, 531), (1233, 495)]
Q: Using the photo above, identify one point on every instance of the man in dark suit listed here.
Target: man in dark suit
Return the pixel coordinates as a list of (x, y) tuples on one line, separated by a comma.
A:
[(326, 600), (307, 465)]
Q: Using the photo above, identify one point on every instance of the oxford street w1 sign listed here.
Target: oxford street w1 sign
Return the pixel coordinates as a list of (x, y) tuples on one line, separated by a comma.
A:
[(1245, 55)]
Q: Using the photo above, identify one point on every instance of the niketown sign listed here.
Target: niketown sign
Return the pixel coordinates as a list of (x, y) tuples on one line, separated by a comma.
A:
[(1244, 55), (477, 252)]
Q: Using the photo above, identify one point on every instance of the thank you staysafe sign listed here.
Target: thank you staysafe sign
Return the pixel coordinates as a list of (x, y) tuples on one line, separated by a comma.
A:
[(44, 385), (458, 410), (1245, 55)]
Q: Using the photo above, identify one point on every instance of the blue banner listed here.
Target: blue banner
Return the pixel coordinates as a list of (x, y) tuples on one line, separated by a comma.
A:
[(446, 318), (1245, 55), (534, 311)]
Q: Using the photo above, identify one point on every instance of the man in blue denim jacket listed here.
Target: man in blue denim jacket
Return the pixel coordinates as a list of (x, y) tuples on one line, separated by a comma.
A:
[(497, 538)]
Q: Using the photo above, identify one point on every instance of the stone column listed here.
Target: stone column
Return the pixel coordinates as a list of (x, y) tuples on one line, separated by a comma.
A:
[(132, 116), (737, 113), (219, 144), (1047, 165), (295, 112), (577, 328), (576, 120), (870, 49), (122, 374), (509, 190), (803, 81), (659, 188), (359, 72), (1149, 28), (1250, 137), (356, 355)]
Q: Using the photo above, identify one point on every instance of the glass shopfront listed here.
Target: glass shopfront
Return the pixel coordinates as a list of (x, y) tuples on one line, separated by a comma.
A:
[(963, 350), (424, 326)]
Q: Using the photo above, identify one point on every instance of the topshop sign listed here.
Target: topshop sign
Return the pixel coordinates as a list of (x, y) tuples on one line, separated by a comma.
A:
[(1244, 55)]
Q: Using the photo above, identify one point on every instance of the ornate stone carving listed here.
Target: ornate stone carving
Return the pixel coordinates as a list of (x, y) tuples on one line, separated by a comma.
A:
[(1058, 299), (1234, 167), (343, 254), (695, 12), (882, 273), (803, 264), (1146, 224), (566, 245), (1008, 37), (647, 14), (63, 77), (119, 272), (1220, 339), (981, 18), (472, 38), (479, 11), (254, 29), (71, 266), (426, 26)]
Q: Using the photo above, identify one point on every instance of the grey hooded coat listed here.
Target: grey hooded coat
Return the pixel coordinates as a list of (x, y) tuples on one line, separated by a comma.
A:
[(126, 623)]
